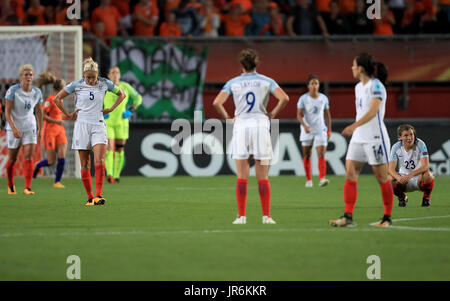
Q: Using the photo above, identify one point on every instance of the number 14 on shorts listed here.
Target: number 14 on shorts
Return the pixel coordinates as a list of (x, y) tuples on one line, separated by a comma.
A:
[(378, 151)]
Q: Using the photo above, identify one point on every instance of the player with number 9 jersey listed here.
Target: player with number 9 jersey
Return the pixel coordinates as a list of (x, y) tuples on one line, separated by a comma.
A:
[(251, 130)]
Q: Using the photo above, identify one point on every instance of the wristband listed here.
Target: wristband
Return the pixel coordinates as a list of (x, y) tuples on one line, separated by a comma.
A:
[(329, 132)]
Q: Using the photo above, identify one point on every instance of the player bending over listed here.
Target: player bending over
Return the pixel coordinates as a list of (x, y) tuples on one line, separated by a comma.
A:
[(414, 174)]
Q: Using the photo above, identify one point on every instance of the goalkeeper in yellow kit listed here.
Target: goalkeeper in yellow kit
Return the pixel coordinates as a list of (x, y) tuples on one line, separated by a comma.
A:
[(117, 125)]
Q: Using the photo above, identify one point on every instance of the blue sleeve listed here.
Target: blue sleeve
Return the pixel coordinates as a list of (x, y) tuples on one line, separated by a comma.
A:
[(327, 103), (10, 94), (376, 90), (227, 88), (39, 95), (70, 88), (111, 86), (423, 151), (393, 156), (273, 85), (301, 102)]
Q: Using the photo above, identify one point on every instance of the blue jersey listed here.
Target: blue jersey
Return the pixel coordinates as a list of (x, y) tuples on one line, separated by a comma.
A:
[(23, 106), (89, 99), (408, 161), (251, 93)]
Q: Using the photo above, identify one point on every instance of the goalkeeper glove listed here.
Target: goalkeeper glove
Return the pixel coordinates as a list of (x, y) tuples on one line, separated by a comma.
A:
[(106, 116), (126, 114)]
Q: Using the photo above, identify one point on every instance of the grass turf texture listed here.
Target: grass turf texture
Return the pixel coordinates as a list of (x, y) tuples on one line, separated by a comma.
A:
[(180, 229)]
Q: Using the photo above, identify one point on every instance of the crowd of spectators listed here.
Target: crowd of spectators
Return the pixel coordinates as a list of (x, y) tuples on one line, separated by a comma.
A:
[(212, 18)]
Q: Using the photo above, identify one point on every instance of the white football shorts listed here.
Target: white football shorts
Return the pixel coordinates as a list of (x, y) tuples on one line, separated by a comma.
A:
[(374, 153), (413, 184), (28, 137), (307, 139), (251, 137), (87, 135)]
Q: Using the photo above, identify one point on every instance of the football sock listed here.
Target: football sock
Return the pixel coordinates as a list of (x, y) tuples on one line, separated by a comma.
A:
[(28, 172), (60, 169), (109, 162), (399, 191), (350, 195), (10, 173), (427, 188), (118, 162), (241, 195), (86, 178), (307, 165), (99, 179), (388, 197), (42, 163), (322, 168), (264, 195)]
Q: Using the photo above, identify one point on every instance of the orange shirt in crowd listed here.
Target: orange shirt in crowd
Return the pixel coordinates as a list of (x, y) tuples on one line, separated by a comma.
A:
[(170, 4), (123, 6), (37, 12), (384, 27), (323, 5), (444, 2), (109, 16), (234, 26), (60, 17), (247, 5), (148, 12), (170, 30), (18, 6), (346, 6)]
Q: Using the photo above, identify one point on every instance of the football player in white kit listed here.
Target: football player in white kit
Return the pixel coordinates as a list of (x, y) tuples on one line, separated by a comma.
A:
[(313, 113), (23, 113), (251, 130), (414, 166), (370, 140), (89, 133)]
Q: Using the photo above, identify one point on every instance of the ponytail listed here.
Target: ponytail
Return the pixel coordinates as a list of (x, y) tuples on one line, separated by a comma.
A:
[(381, 72)]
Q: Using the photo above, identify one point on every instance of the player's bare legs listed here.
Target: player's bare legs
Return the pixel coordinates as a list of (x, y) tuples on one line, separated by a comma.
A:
[(109, 160), (321, 150), (307, 164)]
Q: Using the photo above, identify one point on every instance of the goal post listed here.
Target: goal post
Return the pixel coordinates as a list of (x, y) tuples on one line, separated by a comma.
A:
[(54, 48)]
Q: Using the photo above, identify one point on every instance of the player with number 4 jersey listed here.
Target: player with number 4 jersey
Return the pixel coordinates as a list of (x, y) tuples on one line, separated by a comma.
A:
[(370, 140), (411, 155)]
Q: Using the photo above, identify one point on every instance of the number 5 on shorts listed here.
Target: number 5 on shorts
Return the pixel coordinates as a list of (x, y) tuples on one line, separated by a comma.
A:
[(251, 103)]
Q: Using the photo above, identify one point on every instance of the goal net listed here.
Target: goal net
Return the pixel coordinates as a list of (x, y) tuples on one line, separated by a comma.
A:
[(57, 49)]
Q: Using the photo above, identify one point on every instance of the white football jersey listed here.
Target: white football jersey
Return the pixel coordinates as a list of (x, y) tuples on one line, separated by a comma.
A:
[(251, 93), (89, 99), (23, 106), (374, 131), (408, 161), (313, 112)]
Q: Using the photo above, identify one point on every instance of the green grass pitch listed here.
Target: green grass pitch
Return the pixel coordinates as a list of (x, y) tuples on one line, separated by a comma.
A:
[(180, 229)]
